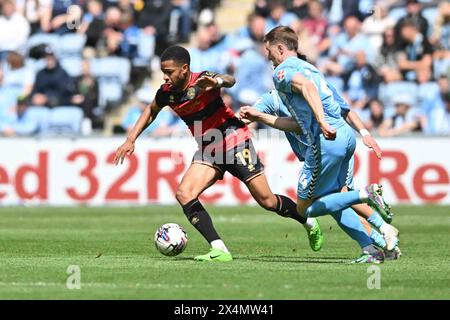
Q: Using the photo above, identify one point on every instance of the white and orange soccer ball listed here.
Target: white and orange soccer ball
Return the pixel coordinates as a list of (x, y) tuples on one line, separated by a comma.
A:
[(170, 239)]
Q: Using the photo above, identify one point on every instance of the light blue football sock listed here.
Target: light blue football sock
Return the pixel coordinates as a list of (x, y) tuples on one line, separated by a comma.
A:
[(377, 239), (375, 219), (333, 202), (349, 221)]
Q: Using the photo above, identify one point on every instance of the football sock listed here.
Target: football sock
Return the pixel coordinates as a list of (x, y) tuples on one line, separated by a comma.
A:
[(349, 221), (333, 202), (378, 239), (288, 209), (218, 244), (375, 220), (201, 220), (310, 223)]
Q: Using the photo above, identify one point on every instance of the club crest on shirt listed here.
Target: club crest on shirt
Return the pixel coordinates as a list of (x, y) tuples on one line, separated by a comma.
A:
[(190, 94), (171, 99), (280, 75)]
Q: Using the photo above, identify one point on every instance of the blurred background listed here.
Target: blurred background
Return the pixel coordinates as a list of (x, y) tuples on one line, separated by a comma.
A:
[(87, 68), (90, 58)]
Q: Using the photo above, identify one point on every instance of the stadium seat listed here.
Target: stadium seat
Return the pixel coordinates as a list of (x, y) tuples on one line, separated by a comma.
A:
[(110, 67), (110, 91), (427, 91), (43, 38), (146, 50), (40, 115), (64, 120), (72, 65), (397, 13), (71, 44), (388, 91), (430, 14)]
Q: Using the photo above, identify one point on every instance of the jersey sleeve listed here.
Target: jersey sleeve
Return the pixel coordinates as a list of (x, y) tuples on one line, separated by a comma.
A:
[(161, 98), (282, 79), (265, 104), (209, 74)]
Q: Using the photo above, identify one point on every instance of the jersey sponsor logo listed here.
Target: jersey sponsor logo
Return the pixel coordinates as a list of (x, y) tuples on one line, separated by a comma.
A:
[(280, 75)]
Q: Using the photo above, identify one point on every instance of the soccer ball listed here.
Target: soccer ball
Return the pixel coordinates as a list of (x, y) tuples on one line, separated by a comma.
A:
[(170, 239)]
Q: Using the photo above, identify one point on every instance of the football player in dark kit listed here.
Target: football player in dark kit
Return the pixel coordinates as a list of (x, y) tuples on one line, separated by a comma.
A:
[(224, 145)]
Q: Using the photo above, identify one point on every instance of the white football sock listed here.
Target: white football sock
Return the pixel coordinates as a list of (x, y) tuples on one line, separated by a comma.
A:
[(218, 244), (310, 223), (363, 196)]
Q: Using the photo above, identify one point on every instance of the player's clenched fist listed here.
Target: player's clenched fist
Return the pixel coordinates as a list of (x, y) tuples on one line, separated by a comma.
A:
[(125, 149)]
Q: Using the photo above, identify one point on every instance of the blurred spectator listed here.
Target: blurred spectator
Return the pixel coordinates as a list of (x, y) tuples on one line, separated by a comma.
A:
[(93, 23), (112, 35), (253, 75), (15, 76), (38, 13), (374, 116), (86, 92), (262, 8), (386, 60), (181, 18), (66, 14), (316, 25), (363, 82), (23, 125), (255, 29), (279, 16), (125, 6), (53, 86), (165, 124), (414, 15), (153, 18), (300, 8), (375, 25), (415, 59), (130, 36), (339, 10), (403, 119), (203, 56), (441, 38), (345, 47), (120, 34), (436, 120), (14, 29)]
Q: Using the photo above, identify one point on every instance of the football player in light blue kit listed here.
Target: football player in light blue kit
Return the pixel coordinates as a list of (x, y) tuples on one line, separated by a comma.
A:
[(269, 109), (306, 94)]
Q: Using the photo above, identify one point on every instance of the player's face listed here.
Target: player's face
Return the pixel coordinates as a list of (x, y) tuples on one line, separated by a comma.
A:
[(175, 73), (273, 54)]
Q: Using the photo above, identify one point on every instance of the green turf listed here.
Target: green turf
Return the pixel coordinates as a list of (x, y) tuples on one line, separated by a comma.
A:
[(114, 249)]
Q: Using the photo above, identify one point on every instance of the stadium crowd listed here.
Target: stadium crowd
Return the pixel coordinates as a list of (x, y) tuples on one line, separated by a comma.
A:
[(66, 63)]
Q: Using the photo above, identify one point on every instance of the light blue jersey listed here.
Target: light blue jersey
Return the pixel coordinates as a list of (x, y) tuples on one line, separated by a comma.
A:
[(332, 175), (270, 103), (298, 106)]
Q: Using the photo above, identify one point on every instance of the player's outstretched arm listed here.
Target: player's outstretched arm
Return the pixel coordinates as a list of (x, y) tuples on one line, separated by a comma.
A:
[(308, 90), (356, 123), (281, 123), (211, 81), (145, 119)]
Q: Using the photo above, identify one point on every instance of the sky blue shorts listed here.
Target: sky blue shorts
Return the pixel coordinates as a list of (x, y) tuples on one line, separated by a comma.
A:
[(328, 165)]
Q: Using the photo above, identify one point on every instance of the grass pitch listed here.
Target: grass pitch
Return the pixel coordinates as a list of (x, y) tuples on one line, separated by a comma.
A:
[(114, 249)]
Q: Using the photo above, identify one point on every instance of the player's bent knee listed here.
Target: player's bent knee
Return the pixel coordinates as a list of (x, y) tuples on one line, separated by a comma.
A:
[(184, 195), (268, 202)]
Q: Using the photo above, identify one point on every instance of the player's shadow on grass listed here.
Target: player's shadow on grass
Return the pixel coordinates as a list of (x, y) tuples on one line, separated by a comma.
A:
[(281, 259)]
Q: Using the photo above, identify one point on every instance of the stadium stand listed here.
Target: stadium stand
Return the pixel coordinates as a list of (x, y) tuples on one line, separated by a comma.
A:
[(109, 50)]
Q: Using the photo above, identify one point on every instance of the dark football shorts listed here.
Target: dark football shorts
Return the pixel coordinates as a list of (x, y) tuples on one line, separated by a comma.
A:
[(242, 161)]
